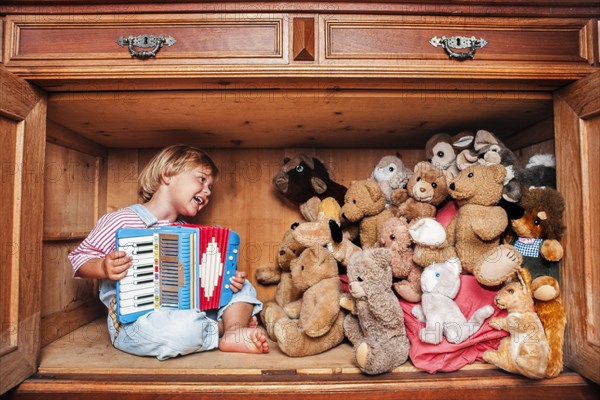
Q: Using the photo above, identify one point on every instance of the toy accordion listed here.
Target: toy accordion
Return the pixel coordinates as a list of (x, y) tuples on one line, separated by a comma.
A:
[(179, 267)]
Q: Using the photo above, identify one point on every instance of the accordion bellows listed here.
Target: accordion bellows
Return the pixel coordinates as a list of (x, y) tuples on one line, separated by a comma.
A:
[(179, 267)]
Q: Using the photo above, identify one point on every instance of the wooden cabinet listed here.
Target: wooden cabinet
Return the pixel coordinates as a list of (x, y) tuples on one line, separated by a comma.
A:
[(254, 82)]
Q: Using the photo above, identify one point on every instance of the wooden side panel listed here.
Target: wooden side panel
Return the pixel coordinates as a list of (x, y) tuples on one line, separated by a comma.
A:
[(74, 184), (23, 116), (577, 112)]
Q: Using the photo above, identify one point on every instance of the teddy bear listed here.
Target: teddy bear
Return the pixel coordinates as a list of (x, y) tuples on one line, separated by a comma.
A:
[(479, 223), (365, 204), (426, 189), (430, 243), (390, 173), (525, 350), (289, 248), (314, 323), (442, 149), (540, 169), (549, 308), (440, 283), (395, 236), (537, 228), (304, 177), (375, 326)]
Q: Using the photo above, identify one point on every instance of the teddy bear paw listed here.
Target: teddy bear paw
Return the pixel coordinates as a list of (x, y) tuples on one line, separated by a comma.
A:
[(498, 266), (362, 355)]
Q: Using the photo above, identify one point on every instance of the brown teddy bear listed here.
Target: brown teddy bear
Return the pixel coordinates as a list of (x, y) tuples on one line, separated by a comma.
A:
[(365, 203), (537, 223), (289, 248), (375, 326), (525, 351), (395, 237), (314, 323), (441, 150), (426, 189), (479, 223)]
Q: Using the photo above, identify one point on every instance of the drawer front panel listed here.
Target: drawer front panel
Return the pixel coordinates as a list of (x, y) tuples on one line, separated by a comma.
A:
[(198, 40), (397, 38)]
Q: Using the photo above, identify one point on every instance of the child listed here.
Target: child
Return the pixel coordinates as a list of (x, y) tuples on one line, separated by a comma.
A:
[(176, 183)]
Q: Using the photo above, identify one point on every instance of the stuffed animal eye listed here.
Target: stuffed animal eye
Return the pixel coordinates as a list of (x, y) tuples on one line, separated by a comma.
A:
[(393, 237), (495, 148), (419, 179), (510, 291), (536, 221), (359, 279), (302, 267), (437, 274), (391, 169), (354, 201), (282, 253), (470, 175), (434, 185), (440, 154), (299, 168)]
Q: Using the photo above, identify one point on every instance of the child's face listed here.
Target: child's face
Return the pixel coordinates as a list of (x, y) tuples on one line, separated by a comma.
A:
[(190, 190)]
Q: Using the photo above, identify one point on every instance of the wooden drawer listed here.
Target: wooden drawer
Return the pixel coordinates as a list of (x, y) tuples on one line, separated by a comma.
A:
[(84, 40), (402, 39)]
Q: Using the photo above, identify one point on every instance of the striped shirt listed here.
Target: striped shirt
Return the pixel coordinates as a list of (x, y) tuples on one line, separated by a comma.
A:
[(101, 239)]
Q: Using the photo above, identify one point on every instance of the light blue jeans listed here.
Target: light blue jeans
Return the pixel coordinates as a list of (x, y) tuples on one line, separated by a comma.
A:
[(169, 333)]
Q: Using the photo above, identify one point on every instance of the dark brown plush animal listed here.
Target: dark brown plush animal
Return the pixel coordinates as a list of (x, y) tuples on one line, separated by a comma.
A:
[(303, 177)]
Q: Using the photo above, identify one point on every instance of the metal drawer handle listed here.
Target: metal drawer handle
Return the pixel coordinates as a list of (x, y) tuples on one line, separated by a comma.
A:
[(145, 42), (459, 42)]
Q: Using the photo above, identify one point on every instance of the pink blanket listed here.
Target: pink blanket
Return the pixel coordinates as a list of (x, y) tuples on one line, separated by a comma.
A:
[(447, 357)]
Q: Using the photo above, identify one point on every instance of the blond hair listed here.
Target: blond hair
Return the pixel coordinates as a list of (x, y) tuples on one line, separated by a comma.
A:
[(169, 162)]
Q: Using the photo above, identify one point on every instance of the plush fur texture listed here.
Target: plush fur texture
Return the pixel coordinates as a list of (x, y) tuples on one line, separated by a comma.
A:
[(303, 177), (539, 215), (430, 241), (390, 173), (476, 229), (540, 171), (440, 284), (426, 189), (526, 350), (546, 294), (289, 248), (407, 274), (442, 149), (312, 324), (365, 204), (376, 325)]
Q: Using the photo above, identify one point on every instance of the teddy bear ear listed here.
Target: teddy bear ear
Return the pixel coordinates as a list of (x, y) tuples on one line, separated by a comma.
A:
[(336, 231), (374, 190), (499, 172), (454, 263), (318, 185), (309, 161)]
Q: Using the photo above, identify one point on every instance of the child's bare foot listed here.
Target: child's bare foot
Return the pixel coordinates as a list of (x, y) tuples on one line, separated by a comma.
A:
[(245, 340)]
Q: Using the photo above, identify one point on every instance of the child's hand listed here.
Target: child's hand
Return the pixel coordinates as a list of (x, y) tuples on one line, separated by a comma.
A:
[(116, 264), (237, 281)]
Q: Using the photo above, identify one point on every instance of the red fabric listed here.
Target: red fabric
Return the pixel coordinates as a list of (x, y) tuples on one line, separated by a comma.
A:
[(446, 213), (447, 357)]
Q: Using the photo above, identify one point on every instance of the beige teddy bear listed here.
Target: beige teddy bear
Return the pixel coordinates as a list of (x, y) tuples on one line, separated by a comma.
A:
[(430, 241), (365, 203), (396, 237), (314, 323), (376, 325), (476, 229)]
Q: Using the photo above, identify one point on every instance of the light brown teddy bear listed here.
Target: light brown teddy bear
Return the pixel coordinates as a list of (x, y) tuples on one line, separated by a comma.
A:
[(476, 229), (314, 323), (376, 325), (525, 351), (365, 203), (426, 189), (395, 237), (289, 249)]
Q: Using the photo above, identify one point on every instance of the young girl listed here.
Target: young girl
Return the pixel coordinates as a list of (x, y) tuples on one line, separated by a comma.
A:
[(176, 183)]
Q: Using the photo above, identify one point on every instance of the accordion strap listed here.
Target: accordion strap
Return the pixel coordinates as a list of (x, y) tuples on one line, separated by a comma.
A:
[(146, 216)]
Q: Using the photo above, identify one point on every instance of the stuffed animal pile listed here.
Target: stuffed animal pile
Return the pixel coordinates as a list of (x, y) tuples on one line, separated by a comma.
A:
[(409, 236)]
